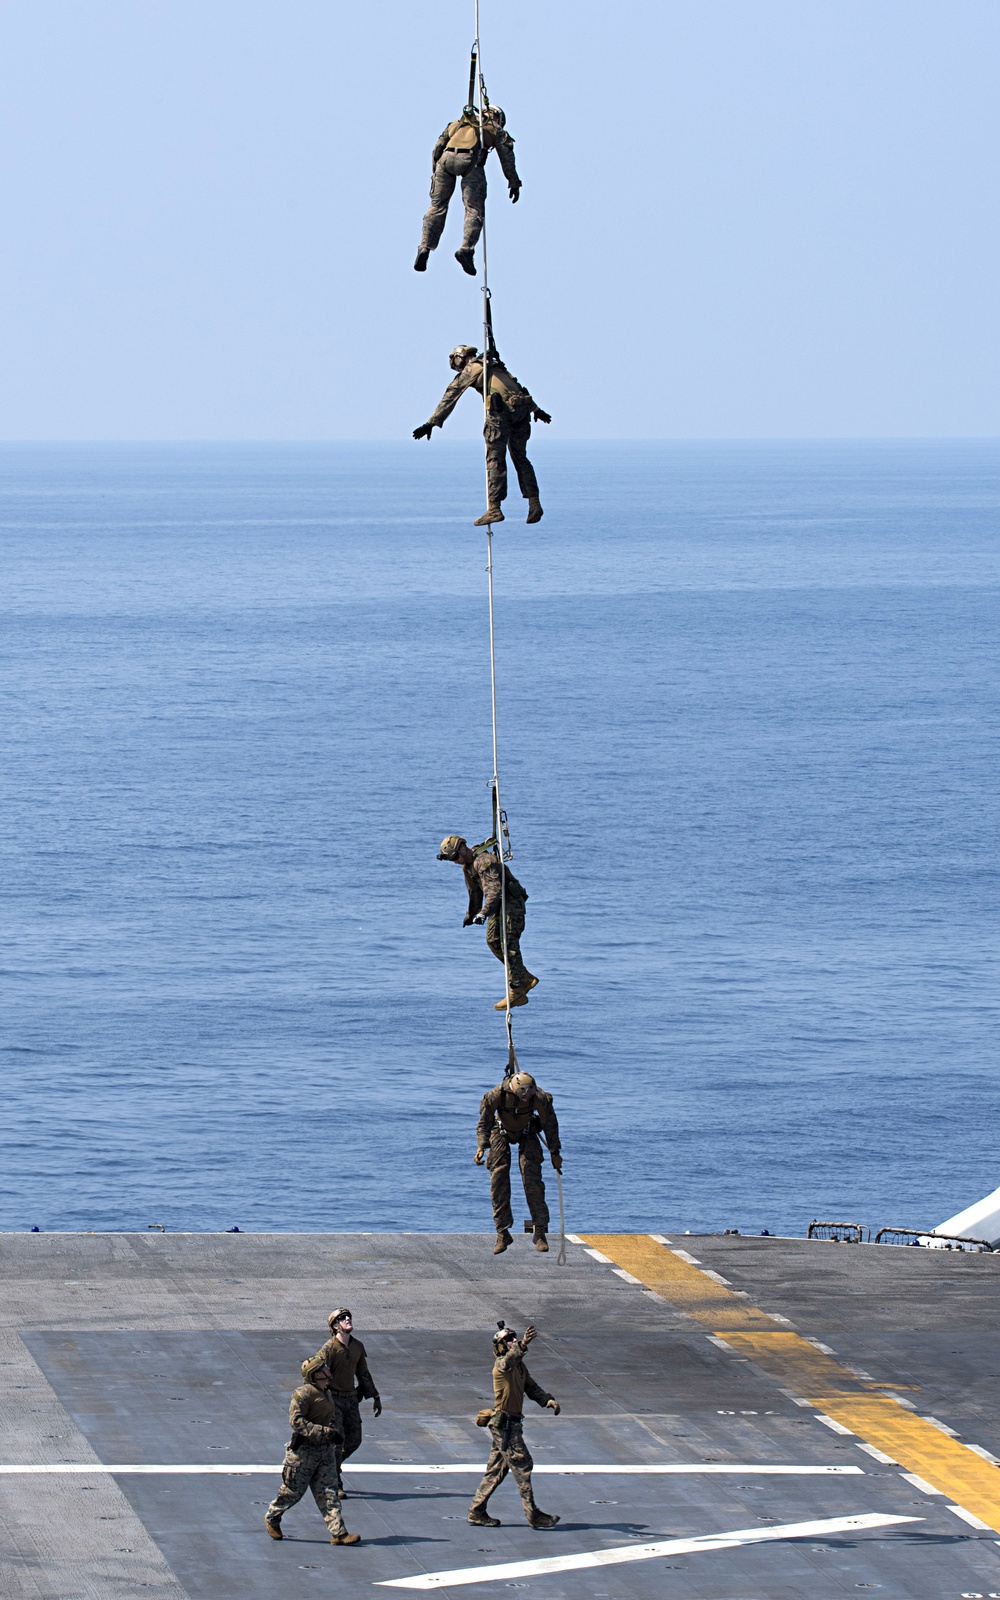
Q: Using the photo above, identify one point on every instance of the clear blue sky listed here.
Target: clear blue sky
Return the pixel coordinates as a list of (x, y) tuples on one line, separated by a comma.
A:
[(740, 218)]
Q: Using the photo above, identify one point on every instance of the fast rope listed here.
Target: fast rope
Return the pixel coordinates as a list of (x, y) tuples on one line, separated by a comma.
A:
[(501, 835)]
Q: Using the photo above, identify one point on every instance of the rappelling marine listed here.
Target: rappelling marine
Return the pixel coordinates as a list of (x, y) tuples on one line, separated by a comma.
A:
[(507, 427), (461, 153), (517, 1112), (481, 866)]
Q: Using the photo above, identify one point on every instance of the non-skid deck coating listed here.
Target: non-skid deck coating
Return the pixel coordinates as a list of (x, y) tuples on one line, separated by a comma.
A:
[(180, 1351)]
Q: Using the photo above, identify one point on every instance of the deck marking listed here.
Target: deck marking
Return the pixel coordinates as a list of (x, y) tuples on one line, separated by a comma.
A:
[(768, 1469), (509, 1570), (887, 1421), (877, 1455), (838, 1427), (919, 1483), (974, 1522)]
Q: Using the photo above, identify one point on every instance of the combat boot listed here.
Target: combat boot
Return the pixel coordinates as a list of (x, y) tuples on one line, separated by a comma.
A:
[(480, 1518), (420, 265), (541, 1243), (530, 982), (535, 512), (345, 1538), (542, 1519), (466, 262), (504, 1238), (491, 514), (273, 1528), (517, 998)]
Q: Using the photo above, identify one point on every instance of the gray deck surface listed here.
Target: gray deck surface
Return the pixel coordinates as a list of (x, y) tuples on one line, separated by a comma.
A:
[(184, 1348)]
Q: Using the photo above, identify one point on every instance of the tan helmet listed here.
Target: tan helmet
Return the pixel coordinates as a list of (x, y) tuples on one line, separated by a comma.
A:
[(311, 1366), (502, 1338), (522, 1084), (460, 355), (337, 1316), (450, 847)]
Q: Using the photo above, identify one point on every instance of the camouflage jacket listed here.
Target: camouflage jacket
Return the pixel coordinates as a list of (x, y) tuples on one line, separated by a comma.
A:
[(517, 1117), (313, 1416), (347, 1366), (482, 879), (503, 383), (512, 1381), (464, 133)]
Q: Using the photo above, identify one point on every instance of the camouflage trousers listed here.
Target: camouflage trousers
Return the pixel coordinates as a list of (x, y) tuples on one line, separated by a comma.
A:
[(312, 1466), (451, 166), (529, 1160), (504, 432), (509, 1454), (349, 1417), (515, 928)]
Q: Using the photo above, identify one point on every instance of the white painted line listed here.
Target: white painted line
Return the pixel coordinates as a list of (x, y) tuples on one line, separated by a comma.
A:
[(907, 1404), (943, 1426), (838, 1427), (818, 1344), (692, 1261), (877, 1455), (920, 1483), (785, 1322), (659, 1238), (574, 1238), (415, 1468), (973, 1521), (987, 1455), (510, 1570), (628, 1276), (716, 1277), (606, 1260), (713, 1338)]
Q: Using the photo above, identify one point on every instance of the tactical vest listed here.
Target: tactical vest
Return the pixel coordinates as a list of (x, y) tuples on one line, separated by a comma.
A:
[(463, 135), (516, 1118)]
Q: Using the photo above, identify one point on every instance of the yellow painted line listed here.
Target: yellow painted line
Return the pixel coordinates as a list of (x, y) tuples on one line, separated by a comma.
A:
[(796, 1365)]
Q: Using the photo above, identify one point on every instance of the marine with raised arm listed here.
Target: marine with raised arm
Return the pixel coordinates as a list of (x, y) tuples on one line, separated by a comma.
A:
[(507, 427), (511, 1382)]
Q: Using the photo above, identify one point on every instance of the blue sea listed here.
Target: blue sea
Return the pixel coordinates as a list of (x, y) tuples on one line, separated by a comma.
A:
[(748, 701)]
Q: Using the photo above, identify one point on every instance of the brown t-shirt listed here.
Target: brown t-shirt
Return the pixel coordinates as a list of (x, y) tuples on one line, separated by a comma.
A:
[(346, 1364), (512, 1381)]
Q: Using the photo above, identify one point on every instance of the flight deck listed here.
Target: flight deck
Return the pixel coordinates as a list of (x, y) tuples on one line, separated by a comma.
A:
[(742, 1418)]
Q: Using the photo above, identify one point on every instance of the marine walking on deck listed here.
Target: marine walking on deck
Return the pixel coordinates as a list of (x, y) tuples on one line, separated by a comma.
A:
[(511, 1382), (311, 1455), (517, 1112), (346, 1361)]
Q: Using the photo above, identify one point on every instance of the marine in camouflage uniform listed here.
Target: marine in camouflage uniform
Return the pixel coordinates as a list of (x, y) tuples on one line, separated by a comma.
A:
[(311, 1456), (507, 428), (517, 1112), (350, 1382), (461, 153), (511, 1382), (481, 866)]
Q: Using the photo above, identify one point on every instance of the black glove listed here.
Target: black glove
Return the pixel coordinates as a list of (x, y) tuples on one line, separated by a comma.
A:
[(539, 415), (553, 1406), (467, 922), (479, 918), (514, 190), (376, 1406), (528, 1335), (556, 1162), (424, 431)]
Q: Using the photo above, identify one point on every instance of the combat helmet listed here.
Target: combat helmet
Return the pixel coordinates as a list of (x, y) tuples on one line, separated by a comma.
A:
[(454, 842), (311, 1366), (522, 1084), (502, 1338), (460, 355), (336, 1316), (497, 116)]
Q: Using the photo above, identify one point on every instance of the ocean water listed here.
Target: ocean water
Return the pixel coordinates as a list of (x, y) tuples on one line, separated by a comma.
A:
[(749, 749)]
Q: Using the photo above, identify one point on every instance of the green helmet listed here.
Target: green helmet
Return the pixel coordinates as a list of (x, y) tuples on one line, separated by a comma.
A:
[(450, 847), (311, 1366)]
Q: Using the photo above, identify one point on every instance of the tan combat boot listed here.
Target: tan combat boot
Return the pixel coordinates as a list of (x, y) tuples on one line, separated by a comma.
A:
[(530, 982), (535, 512), (345, 1538), (541, 1243), (517, 998), (491, 514), (504, 1238), (273, 1528)]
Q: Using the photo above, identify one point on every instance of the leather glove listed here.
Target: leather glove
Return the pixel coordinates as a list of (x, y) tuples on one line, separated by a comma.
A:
[(479, 918), (556, 1162), (479, 1157), (424, 431), (538, 414), (553, 1406), (514, 190), (376, 1406), (529, 1333)]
